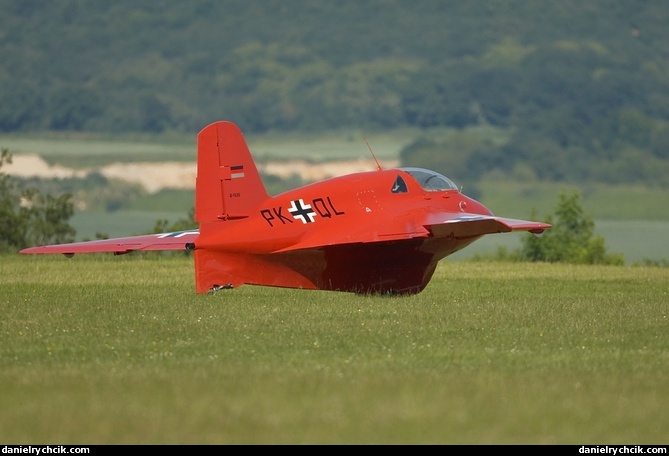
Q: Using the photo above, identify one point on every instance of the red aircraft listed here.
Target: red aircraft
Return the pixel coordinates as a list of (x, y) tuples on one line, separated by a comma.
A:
[(381, 231)]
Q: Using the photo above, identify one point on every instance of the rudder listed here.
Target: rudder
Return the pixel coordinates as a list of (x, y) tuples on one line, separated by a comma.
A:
[(228, 184)]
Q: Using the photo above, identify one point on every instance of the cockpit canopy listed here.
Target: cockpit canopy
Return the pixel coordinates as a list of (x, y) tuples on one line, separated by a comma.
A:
[(431, 181)]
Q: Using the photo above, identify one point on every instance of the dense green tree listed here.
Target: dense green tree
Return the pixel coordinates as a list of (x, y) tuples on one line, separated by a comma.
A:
[(28, 217), (72, 109), (571, 239)]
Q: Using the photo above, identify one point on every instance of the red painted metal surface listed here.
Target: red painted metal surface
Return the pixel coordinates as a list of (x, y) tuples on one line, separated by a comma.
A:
[(382, 231)]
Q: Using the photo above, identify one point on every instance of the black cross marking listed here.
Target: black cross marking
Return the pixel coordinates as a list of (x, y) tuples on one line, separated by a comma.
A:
[(302, 211)]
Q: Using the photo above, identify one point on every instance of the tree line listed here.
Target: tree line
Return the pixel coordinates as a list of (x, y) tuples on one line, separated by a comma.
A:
[(577, 90), (30, 217)]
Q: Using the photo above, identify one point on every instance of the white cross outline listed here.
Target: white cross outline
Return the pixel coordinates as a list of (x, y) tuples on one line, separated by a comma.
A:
[(302, 211), (176, 234)]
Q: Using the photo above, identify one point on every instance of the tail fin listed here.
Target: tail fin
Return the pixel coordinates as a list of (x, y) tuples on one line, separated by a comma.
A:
[(228, 184)]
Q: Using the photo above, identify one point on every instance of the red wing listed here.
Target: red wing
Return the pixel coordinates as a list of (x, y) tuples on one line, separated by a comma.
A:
[(464, 226), (393, 230), (442, 225), (164, 241)]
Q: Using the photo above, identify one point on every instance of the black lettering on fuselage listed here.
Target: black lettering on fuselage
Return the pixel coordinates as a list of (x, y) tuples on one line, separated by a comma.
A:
[(267, 215), (280, 216), (334, 209), (323, 207)]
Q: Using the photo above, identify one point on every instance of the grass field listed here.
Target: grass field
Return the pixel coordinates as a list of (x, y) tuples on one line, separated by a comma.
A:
[(103, 349)]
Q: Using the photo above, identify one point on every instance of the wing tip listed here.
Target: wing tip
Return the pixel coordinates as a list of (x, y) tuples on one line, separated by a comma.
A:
[(43, 249)]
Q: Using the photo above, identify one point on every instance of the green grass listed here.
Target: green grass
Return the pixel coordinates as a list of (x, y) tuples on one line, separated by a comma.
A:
[(102, 349)]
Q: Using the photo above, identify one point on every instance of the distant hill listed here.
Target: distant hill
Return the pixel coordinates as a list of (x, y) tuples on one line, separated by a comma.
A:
[(577, 90)]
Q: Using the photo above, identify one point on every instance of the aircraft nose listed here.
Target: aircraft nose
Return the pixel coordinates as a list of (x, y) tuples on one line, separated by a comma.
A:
[(471, 206)]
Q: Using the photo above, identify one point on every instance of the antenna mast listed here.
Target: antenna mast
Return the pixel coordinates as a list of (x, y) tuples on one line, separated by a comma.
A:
[(378, 166)]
